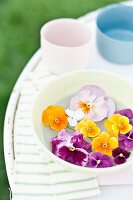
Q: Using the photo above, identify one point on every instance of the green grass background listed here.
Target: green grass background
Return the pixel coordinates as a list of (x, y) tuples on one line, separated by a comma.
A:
[(20, 23)]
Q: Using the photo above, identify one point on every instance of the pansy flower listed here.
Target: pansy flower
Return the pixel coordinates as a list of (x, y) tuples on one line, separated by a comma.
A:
[(104, 143), (74, 116), (99, 160), (55, 117), (120, 155), (126, 141), (93, 102), (88, 128), (128, 113), (118, 124), (71, 147)]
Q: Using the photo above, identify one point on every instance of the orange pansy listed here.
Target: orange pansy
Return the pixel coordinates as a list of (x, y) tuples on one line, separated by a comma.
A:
[(55, 117), (104, 143), (45, 115)]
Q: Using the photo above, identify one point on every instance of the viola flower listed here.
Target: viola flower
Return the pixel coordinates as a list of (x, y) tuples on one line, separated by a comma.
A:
[(99, 160), (120, 155), (55, 117), (104, 143), (118, 124), (71, 147), (74, 116), (88, 128), (126, 141), (93, 101), (127, 113), (98, 91)]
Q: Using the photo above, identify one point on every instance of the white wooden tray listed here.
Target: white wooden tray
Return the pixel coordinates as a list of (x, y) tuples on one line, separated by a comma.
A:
[(97, 62)]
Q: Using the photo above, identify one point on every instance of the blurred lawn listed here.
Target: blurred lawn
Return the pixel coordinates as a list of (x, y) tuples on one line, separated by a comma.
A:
[(20, 23)]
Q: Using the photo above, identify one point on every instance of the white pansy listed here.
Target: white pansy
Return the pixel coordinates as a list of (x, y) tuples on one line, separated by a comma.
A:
[(74, 116)]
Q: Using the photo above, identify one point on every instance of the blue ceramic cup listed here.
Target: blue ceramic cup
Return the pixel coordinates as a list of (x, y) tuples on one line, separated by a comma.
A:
[(115, 33)]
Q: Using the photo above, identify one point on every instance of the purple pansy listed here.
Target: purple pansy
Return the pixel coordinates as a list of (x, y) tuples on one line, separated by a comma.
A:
[(71, 147), (120, 155), (128, 113), (99, 160), (126, 141)]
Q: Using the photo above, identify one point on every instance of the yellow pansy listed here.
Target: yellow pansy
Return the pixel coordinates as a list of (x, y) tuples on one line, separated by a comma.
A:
[(88, 128), (118, 124)]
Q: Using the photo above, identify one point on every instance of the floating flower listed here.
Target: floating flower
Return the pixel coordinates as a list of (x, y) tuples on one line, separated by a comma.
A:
[(55, 117), (128, 113), (120, 155), (98, 91), (118, 124), (104, 143), (88, 128), (74, 116), (93, 101), (126, 141), (99, 160), (71, 147)]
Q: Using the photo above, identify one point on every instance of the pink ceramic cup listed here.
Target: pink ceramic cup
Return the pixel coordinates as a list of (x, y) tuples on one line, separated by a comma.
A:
[(65, 45)]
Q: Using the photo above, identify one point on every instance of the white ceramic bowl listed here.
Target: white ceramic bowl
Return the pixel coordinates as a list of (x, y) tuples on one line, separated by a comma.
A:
[(59, 91)]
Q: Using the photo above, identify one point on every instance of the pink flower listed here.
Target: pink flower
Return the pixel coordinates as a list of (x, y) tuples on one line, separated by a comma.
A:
[(71, 147), (94, 102)]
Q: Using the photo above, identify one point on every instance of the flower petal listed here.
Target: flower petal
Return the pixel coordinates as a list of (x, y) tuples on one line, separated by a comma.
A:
[(103, 163), (64, 135), (120, 160), (109, 159), (123, 119), (126, 153), (126, 112), (121, 137), (96, 142), (81, 157), (54, 142), (110, 105), (104, 136), (79, 115), (131, 134), (126, 129), (116, 152), (108, 125), (62, 151), (69, 112), (113, 142), (128, 143), (98, 91), (72, 121), (122, 144), (100, 109), (114, 118), (79, 142), (115, 128)]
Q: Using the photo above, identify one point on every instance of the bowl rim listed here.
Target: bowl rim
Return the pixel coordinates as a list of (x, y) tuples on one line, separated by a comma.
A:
[(64, 163), (113, 6)]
